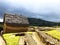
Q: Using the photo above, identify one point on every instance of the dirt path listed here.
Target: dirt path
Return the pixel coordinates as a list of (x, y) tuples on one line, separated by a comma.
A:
[(2, 42), (37, 39), (33, 39), (21, 40)]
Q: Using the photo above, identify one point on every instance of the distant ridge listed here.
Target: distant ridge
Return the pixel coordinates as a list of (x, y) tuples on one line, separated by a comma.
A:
[(40, 22)]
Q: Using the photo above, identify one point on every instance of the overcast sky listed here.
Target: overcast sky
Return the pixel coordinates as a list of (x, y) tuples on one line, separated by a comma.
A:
[(44, 9)]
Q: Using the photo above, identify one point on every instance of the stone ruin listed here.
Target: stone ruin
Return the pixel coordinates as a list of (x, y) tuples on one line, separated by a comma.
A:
[(15, 23)]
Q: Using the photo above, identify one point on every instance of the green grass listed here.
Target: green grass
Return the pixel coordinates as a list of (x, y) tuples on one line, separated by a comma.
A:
[(54, 33), (1, 25), (11, 39)]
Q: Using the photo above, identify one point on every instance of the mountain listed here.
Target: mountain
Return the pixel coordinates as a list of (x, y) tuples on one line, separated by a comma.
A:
[(40, 22)]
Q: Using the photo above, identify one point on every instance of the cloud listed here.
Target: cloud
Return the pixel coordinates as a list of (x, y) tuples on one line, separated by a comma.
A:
[(44, 9), (1, 20)]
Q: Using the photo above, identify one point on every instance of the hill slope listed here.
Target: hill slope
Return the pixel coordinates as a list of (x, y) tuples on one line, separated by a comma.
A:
[(40, 22)]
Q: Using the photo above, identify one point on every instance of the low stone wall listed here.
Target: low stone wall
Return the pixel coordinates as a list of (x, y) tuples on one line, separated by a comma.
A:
[(12, 29), (47, 39)]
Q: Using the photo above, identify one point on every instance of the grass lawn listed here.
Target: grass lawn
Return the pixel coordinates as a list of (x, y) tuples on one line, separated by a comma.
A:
[(54, 33), (11, 39)]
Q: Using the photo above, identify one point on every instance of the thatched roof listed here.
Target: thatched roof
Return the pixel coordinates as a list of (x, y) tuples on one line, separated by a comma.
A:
[(16, 19)]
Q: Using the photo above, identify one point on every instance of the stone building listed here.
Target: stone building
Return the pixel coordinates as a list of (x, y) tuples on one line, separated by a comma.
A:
[(15, 23)]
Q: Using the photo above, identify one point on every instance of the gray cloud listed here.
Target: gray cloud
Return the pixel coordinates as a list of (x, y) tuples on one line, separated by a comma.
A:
[(44, 9)]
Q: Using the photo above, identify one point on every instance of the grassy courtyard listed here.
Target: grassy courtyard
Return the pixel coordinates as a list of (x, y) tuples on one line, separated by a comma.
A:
[(11, 39), (54, 33)]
